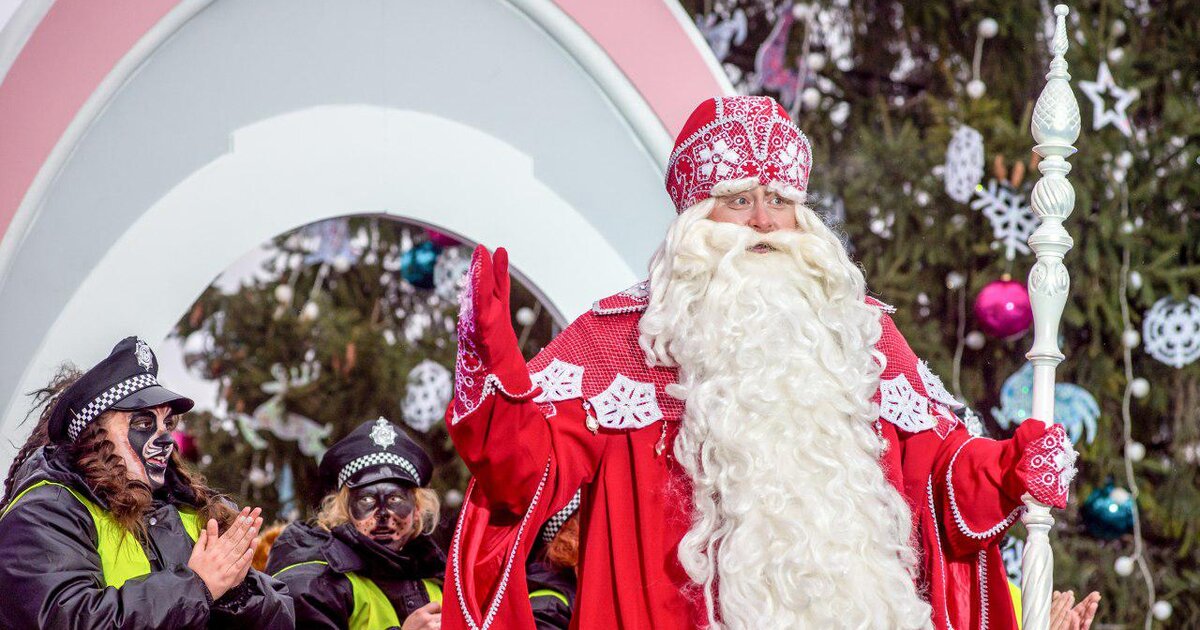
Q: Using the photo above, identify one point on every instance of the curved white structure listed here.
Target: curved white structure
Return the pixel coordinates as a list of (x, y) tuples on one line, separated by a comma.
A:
[(227, 123)]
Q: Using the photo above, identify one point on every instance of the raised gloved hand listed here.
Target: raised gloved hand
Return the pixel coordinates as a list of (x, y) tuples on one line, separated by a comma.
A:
[(489, 357)]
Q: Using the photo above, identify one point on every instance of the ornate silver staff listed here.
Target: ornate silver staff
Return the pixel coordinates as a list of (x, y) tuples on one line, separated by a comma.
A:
[(1055, 128)]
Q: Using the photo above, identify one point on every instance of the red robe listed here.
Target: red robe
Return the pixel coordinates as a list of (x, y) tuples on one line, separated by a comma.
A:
[(529, 446)]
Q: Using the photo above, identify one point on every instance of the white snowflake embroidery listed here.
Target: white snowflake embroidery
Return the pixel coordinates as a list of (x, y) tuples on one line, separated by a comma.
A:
[(901, 405), (559, 381), (626, 404), (1064, 462), (720, 157), (934, 387), (792, 159)]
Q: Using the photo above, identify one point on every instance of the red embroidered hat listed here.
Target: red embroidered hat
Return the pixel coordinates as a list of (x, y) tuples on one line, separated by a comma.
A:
[(737, 137)]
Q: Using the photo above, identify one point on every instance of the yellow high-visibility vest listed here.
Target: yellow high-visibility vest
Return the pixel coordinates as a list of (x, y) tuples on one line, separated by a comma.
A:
[(372, 609), (121, 555)]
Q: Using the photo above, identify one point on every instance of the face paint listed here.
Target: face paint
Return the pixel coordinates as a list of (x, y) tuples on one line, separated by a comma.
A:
[(384, 512), (150, 438)]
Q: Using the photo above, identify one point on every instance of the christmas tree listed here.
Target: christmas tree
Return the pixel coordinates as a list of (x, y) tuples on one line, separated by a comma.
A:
[(919, 117), (341, 322)]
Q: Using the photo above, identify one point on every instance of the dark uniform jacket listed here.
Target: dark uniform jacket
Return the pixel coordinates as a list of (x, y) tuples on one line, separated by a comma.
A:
[(51, 574), (317, 561), (551, 594)]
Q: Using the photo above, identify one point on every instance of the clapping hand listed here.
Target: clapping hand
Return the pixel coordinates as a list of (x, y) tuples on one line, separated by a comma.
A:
[(222, 560), (1065, 614)]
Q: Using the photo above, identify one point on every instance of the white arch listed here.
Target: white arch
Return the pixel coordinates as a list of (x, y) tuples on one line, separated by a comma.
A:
[(313, 164)]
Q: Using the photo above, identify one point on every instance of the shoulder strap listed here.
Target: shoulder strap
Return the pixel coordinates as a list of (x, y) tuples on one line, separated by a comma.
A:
[(191, 522), (433, 588)]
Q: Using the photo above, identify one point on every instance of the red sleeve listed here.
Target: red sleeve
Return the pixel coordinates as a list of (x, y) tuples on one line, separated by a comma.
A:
[(519, 458), (976, 483), (976, 486)]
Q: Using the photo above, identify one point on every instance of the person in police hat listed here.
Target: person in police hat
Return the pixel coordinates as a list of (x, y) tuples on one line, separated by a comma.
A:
[(368, 561), (550, 569), (101, 527)]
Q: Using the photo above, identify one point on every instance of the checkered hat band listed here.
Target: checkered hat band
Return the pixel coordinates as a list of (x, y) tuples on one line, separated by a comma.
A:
[(102, 403), (376, 459), (556, 522)]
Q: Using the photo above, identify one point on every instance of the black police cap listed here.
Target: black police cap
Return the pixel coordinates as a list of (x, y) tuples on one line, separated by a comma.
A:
[(127, 379), (375, 451)]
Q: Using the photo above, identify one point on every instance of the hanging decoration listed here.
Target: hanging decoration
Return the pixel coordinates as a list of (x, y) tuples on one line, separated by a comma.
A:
[(1134, 387), (722, 33), (1010, 215), (428, 393), (1108, 512), (987, 29), (964, 164), (1171, 331), (1074, 408), (450, 272), (273, 416), (333, 244), (1003, 309), (417, 263), (771, 68), (1101, 115)]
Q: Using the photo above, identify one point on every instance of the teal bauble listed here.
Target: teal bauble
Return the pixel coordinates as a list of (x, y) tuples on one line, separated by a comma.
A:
[(1108, 512), (417, 264)]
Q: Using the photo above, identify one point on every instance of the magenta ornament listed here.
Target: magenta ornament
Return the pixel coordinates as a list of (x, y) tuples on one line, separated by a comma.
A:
[(441, 240), (1003, 309), (186, 445)]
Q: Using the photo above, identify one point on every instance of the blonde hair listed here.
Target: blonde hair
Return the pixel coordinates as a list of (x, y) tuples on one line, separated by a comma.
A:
[(335, 510)]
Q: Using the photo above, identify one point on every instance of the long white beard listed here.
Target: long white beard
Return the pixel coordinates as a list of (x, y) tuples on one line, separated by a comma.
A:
[(795, 525)]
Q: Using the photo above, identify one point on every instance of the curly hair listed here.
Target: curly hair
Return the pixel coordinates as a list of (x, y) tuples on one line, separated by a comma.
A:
[(335, 509), (44, 398), (563, 551), (95, 458)]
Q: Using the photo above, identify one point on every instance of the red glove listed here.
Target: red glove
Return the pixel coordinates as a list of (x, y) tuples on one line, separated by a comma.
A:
[(489, 357), (1047, 463)]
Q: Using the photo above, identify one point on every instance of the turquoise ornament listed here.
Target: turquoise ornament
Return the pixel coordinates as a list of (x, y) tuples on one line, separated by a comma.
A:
[(417, 264), (1074, 407)]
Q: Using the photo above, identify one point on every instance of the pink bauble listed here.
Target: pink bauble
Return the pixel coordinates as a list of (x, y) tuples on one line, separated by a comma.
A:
[(1003, 308), (186, 445), (441, 240)]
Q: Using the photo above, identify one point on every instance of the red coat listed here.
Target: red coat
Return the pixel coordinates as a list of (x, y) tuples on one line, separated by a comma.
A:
[(529, 457)]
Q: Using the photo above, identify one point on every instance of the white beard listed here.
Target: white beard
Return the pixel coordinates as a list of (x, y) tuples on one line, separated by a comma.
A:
[(794, 523)]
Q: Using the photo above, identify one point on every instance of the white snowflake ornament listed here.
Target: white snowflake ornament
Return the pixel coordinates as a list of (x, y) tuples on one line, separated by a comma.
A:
[(1010, 215), (450, 272), (1171, 331), (427, 395), (964, 164)]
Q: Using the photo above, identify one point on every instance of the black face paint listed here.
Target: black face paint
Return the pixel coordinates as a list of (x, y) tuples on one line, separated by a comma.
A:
[(152, 442), (384, 512)]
